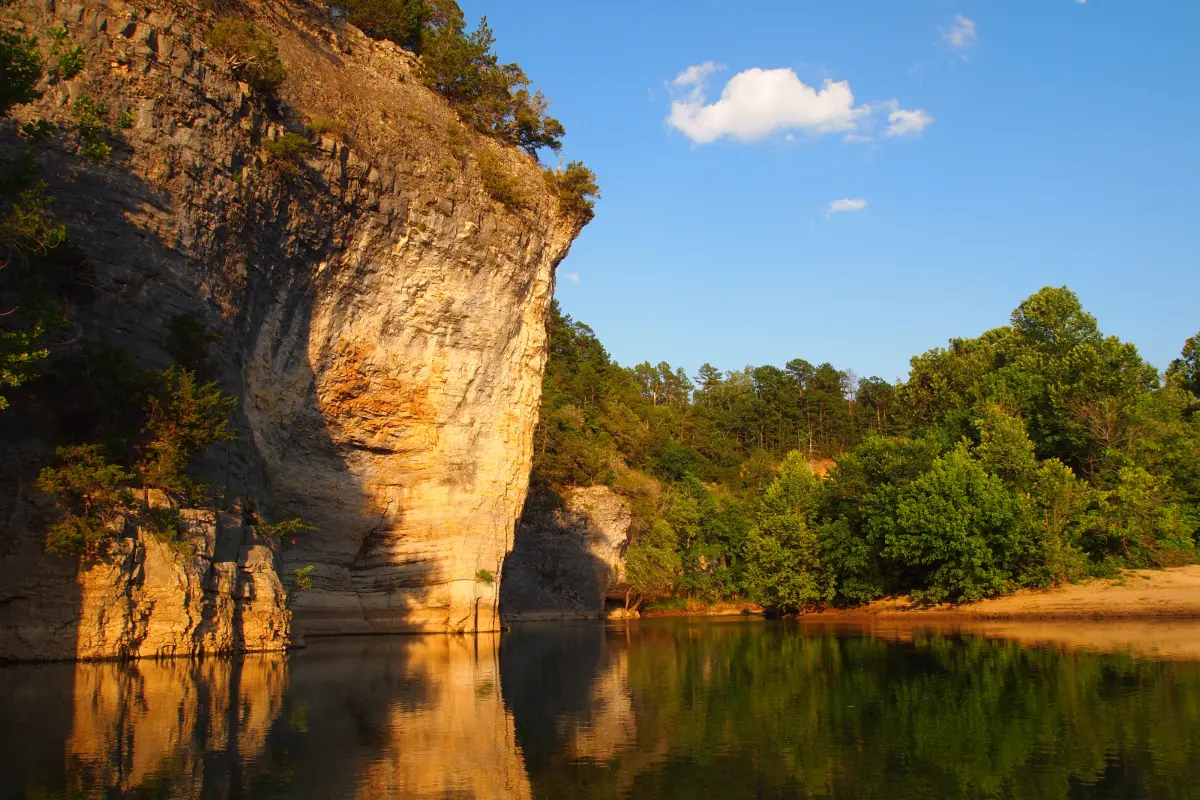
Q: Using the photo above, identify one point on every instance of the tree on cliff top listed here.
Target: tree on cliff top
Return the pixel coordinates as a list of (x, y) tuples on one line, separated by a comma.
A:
[(463, 67)]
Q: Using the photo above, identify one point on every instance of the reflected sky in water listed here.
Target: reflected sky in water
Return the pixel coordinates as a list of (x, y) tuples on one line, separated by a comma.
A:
[(663, 708)]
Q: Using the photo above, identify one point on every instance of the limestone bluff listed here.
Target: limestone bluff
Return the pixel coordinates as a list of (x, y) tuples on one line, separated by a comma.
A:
[(379, 317)]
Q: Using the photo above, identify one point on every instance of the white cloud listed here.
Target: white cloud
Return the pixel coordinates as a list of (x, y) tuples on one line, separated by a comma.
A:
[(961, 33), (696, 73), (845, 204), (758, 102), (573, 277), (907, 123)]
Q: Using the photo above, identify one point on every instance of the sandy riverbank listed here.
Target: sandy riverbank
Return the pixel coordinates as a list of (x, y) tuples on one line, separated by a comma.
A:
[(1153, 613), (1137, 595)]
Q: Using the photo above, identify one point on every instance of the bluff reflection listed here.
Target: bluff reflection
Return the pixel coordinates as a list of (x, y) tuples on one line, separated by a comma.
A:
[(401, 717), (356, 717), (159, 729)]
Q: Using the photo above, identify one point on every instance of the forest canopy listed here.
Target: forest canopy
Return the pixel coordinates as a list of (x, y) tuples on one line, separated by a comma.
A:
[(1035, 454)]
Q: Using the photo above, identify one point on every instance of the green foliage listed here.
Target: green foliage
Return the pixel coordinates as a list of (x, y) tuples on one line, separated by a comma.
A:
[(318, 125), (287, 530), (92, 495), (249, 52), (38, 130), (652, 563), (485, 576), (1061, 519), (29, 227), (288, 152), (1141, 523), (301, 582), (91, 124), (126, 120), (21, 70), (399, 21), (1004, 447), (491, 96), (463, 67), (576, 189), (29, 235), (165, 523), (303, 577), (91, 500), (1185, 370), (1033, 455), (955, 531), (69, 63), (184, 416), (785, 568)]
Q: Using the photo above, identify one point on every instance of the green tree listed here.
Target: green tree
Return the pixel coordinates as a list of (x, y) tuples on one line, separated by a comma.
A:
[(575, 186), (1142, 524), (399, 21), (183, 417), (652, 565), (21, 69), (955, 531), (1186, 369), (91, 497), (785, 570)]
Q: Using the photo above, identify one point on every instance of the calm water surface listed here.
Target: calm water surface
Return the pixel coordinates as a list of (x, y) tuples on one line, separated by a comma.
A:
[(656, 709)]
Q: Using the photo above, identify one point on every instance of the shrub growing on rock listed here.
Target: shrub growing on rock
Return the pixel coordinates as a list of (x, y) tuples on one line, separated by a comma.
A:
[(20, 71), (288, 152), (250, 53), (500, 184), (576, 189)]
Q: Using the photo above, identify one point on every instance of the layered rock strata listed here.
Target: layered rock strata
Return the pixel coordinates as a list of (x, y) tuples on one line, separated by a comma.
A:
[(379, 316)]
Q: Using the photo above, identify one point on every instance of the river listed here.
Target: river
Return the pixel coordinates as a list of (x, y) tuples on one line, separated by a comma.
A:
[(660, 708)]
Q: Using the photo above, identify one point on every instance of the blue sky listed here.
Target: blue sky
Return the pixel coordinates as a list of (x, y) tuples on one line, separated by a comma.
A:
[(1033, 143)]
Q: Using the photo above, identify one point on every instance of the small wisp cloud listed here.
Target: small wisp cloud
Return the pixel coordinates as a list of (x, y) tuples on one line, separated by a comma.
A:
[(844, 205), (907, 123), (961, 33), (573, 277), (757, 103)]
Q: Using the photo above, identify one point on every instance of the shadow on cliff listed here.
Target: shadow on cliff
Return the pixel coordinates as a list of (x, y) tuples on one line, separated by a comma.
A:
[(552, 571)]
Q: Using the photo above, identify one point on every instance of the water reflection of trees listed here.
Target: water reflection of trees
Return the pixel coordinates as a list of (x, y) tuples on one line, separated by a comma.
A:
[(760, 711)]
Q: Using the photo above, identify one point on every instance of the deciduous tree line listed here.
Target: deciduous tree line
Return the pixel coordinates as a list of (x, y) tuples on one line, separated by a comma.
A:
[(1034, 454)]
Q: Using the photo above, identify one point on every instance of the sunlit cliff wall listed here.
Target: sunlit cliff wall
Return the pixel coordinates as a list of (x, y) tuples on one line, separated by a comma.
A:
[(380, 317)]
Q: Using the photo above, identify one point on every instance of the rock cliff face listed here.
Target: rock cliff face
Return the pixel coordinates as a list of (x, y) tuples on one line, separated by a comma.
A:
[(380, 319), (567, 557)]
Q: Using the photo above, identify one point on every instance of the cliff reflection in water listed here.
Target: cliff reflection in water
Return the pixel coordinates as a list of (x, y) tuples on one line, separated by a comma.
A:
[(657, 709)]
